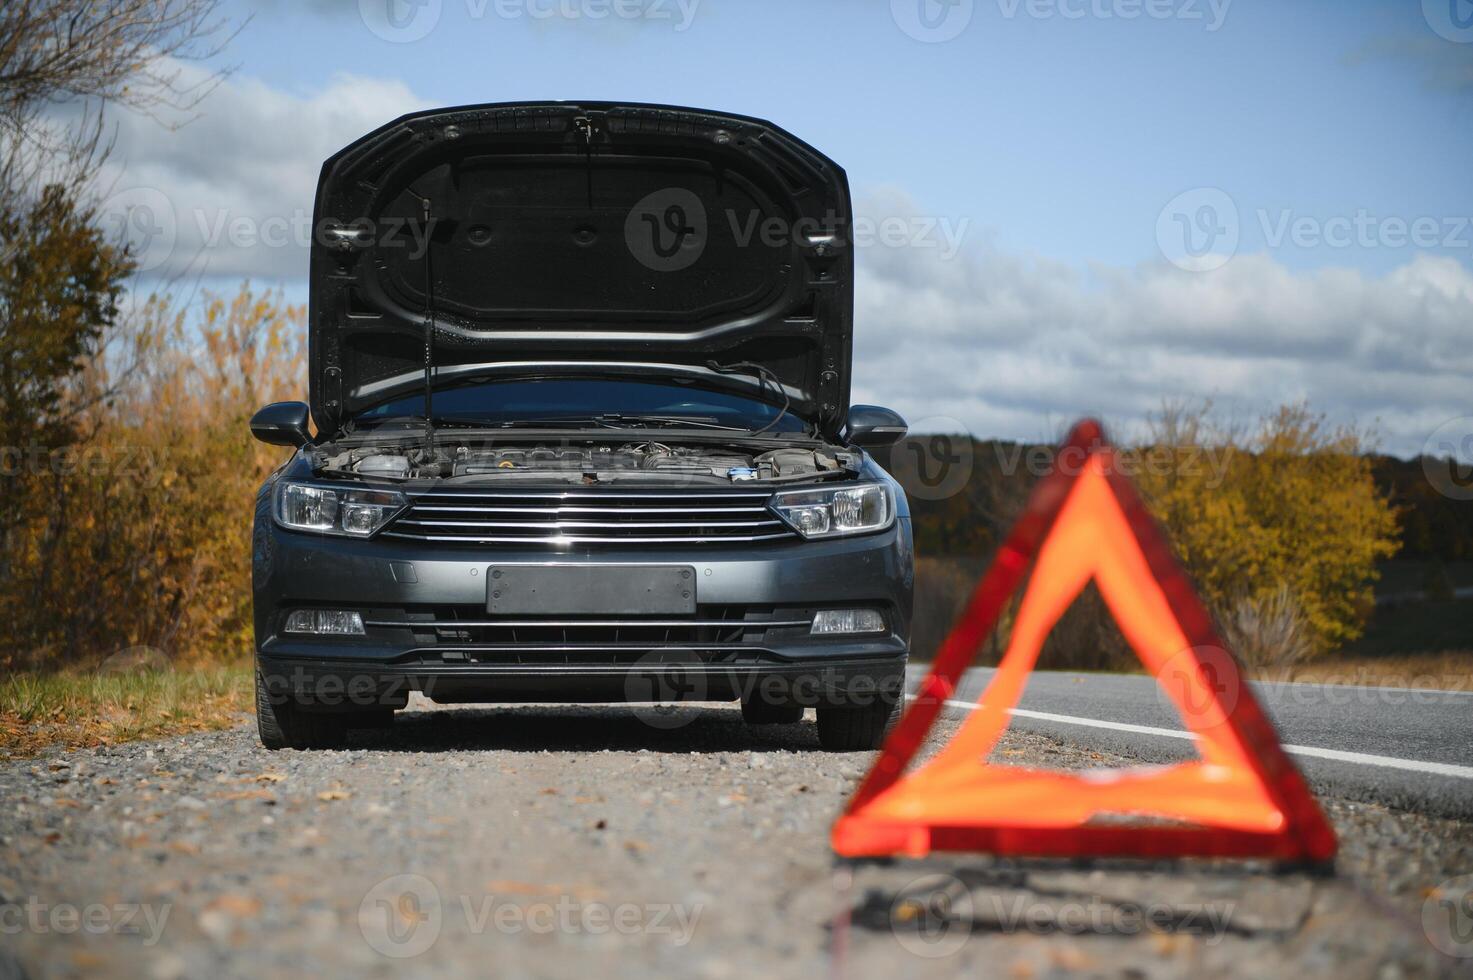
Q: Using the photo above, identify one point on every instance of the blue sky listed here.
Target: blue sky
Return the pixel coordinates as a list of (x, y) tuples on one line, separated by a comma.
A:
[(1064, 141), (1056, 135)]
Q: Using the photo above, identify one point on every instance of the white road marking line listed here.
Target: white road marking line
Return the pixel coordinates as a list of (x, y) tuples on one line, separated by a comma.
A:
[(919, 672), (1360, 758), (1366, 687)]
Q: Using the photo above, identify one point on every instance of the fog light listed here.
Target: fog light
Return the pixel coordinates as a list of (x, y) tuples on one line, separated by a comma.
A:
[(831, 621), (325, 622)]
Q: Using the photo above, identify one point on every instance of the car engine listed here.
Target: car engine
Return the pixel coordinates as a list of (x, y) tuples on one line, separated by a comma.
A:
[(592, 463)]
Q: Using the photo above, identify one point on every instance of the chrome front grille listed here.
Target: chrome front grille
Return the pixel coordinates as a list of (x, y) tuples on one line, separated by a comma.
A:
[(575, 517)]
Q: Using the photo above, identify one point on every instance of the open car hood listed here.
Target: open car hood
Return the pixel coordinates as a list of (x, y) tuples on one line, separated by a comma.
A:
[(568, 239)]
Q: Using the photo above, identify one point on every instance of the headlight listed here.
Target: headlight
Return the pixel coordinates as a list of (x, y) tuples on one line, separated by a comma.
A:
[(842, 510), (355, 513)]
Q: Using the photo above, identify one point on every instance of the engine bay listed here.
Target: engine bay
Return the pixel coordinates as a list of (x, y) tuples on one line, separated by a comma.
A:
[(647, 462)]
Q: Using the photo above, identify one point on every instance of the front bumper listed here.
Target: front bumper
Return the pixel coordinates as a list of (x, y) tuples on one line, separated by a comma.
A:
[(388, 580)]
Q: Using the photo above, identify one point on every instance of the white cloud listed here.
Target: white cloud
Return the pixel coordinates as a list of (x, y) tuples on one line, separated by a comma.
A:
[(1017, 347), (230, 193), (1006, 345)]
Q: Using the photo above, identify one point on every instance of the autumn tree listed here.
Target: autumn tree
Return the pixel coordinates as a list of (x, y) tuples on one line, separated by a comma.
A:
[(1280, 527), (64, 65)]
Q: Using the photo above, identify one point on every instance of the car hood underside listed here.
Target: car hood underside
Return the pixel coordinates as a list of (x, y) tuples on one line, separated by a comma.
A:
[(573, 239)]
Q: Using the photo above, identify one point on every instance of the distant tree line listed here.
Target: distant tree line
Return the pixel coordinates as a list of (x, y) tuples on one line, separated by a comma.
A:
[(1282, 527)]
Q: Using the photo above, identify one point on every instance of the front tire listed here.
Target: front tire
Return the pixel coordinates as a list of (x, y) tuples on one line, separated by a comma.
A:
[(857, 729), (285, 725)]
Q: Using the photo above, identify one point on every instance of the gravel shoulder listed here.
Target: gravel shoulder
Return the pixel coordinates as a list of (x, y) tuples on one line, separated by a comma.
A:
[(560, 841)]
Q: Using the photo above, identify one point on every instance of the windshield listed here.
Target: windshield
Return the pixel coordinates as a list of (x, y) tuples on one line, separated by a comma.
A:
[(508, 402)]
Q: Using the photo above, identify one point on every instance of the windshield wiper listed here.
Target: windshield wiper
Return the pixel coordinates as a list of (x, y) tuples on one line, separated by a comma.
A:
[(438, 421), (672, 421), (608, 420), (616, 420)]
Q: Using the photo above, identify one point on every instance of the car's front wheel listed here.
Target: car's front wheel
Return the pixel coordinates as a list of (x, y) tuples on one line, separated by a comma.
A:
[(851, 728), (285, 724)]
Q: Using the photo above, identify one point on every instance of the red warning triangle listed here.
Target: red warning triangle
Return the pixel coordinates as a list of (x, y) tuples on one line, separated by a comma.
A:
[(1242, 798)]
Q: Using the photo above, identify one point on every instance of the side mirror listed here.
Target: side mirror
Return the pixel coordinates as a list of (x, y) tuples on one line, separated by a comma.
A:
[(872, 427), (282, 424)]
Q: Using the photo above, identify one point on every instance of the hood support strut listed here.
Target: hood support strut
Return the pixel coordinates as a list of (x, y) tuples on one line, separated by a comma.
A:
[(429, 335)]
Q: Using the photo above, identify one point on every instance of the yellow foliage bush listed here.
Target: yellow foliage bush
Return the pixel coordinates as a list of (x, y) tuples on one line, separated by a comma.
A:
[(1288, 508), (140, 534)]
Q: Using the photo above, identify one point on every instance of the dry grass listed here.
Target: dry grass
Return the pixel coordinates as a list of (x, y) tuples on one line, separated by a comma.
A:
[(1450, 670), (76, 710)]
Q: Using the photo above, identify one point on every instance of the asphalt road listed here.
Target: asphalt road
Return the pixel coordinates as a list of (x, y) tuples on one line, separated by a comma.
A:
[(1407, 748)]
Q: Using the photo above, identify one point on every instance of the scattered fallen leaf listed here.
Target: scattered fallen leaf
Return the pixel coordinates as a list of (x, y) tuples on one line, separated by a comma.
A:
[(328, 795), (1071, 958), (270, 777), (1169, 944), (240, 906), (245, 794)]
